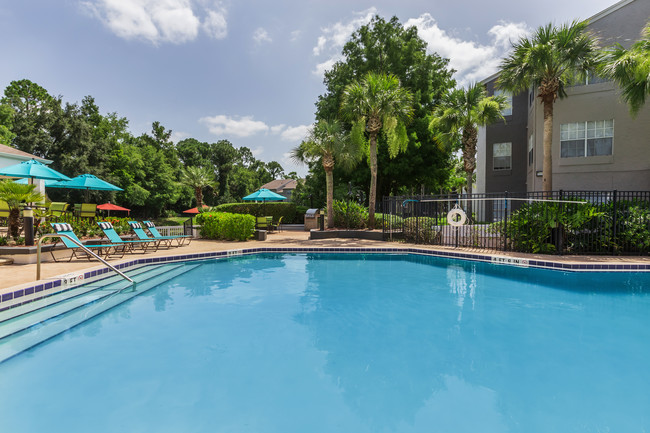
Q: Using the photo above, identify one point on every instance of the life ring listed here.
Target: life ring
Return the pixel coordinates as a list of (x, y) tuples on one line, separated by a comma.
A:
[(456, 212)]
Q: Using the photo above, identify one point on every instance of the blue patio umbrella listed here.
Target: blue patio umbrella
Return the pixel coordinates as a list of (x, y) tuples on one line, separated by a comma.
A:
[(264, 195), (87, 182), (31, 170)]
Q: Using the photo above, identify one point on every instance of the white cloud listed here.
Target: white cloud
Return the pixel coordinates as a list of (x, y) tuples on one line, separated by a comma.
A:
[(295, 35), (332, 39), (238, 127), (156, 21), (257, 151), (278, 128), (215, 24), (178, 136), (261, 36), (471, 60), (295, 133)]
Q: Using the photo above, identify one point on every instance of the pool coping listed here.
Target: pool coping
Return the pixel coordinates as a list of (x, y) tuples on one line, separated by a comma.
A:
[(44, 288)]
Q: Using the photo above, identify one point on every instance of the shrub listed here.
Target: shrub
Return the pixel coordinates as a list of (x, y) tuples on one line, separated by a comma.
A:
[(384, 221), (420, 229), (349, 215), (226, 226), (285, 210)]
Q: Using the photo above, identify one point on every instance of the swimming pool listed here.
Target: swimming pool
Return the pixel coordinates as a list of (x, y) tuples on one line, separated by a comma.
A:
[(349, 343)]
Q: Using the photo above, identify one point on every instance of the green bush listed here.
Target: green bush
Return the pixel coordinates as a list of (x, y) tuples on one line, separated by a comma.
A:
[(349, 215), (274, 209), (226, 226), (420, 229), (383, 221)]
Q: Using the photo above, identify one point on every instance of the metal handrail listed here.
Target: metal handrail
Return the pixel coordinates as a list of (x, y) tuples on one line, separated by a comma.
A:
[(63, 235)]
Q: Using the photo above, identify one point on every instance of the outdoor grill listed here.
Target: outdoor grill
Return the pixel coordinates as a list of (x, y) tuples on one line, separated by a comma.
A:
[(311, 219)]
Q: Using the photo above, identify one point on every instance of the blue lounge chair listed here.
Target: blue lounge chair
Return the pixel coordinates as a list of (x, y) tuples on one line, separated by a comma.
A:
[(142, 235), (156, 235), (113, 237), (105, 250)]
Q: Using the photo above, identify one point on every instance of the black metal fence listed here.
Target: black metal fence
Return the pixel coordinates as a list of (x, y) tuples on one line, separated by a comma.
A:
[(559, 222)]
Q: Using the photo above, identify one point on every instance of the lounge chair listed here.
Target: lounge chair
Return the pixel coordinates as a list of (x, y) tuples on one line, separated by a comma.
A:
[(113, 237), (264, 223), (142, 235), (156, 235), (105, 250)]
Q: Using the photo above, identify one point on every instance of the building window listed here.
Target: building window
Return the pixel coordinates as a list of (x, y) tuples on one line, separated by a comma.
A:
[(501, 156), (589, 78), (531, 154), (593, 138), (508, 110)]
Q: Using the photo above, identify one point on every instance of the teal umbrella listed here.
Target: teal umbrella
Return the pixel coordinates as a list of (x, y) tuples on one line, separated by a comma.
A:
[(25, 181), (264, 195), (87, 182), (32, 169)]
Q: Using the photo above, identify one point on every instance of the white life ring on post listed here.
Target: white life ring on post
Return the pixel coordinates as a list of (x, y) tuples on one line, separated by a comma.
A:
[(456, 212)]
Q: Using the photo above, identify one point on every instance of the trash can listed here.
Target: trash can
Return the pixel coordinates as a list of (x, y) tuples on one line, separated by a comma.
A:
[(311, 219)]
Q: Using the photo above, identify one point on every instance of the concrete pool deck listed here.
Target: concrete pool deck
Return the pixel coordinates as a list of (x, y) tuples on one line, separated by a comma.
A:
[(13, 277)]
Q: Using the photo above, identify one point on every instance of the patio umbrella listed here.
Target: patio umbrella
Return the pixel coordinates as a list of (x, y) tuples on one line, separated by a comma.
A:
[(264, 195), (110, 206), (194, 210), (87, 182), (32, 169)]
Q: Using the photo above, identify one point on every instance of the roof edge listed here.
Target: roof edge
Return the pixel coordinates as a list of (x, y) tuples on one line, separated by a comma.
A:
[(609, 10)]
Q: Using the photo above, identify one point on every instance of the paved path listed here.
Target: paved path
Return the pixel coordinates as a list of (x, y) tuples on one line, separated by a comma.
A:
[(14, 276)]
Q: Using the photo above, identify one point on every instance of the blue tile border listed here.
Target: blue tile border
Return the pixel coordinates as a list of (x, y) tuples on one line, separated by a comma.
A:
[(531, 263)]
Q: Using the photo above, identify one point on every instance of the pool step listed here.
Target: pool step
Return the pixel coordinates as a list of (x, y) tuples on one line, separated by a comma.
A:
[(33, 327)]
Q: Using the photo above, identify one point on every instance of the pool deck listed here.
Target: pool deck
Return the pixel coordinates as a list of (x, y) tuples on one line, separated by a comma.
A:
[(13, 277)]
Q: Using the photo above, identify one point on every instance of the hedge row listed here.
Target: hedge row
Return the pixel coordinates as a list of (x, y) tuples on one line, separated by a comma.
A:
[(226, 226), (290, 213)]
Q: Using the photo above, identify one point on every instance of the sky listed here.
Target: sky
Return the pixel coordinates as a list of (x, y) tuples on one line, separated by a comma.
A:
[(246, 71)]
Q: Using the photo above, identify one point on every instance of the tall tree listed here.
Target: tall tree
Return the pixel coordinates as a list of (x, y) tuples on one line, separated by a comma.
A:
[(35, 114), (551, 58), (378, 102), (630, 69), (456, 121), (389, 47), (328, 143), (6, 124), (198, 178)]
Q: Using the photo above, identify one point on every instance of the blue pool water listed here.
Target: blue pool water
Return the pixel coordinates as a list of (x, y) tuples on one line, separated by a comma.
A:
[(348, 343)]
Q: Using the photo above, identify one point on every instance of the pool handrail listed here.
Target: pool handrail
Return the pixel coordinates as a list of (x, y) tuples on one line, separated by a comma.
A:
[(80, 245)]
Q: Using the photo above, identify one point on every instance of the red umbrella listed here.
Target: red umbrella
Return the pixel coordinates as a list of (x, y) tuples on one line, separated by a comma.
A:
[(110, 206), (194, 210)]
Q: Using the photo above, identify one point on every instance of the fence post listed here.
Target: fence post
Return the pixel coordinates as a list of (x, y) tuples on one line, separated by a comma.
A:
[(505, 220), (614, 221)]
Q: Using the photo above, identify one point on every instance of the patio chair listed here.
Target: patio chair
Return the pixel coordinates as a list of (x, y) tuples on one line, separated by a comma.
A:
[(4, 209), (156, 235), (113, 237), (105, 250), (88, 210), (58, 209), (142, 235), (263, 223)]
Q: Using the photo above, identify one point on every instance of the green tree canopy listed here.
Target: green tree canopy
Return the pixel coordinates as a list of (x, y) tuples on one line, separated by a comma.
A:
[(551, 58), (630, 69), (387, 47), (377, 103)]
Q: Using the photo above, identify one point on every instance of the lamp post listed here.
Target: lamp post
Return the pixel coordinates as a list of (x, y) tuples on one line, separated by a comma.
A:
[(28, 221)]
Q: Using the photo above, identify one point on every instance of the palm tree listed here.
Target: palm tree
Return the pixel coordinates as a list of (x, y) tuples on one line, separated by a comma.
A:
[(16, 194), (377, 103), (630, 69), (328, 141), (198, 178), (551, 58), (456, 121)]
